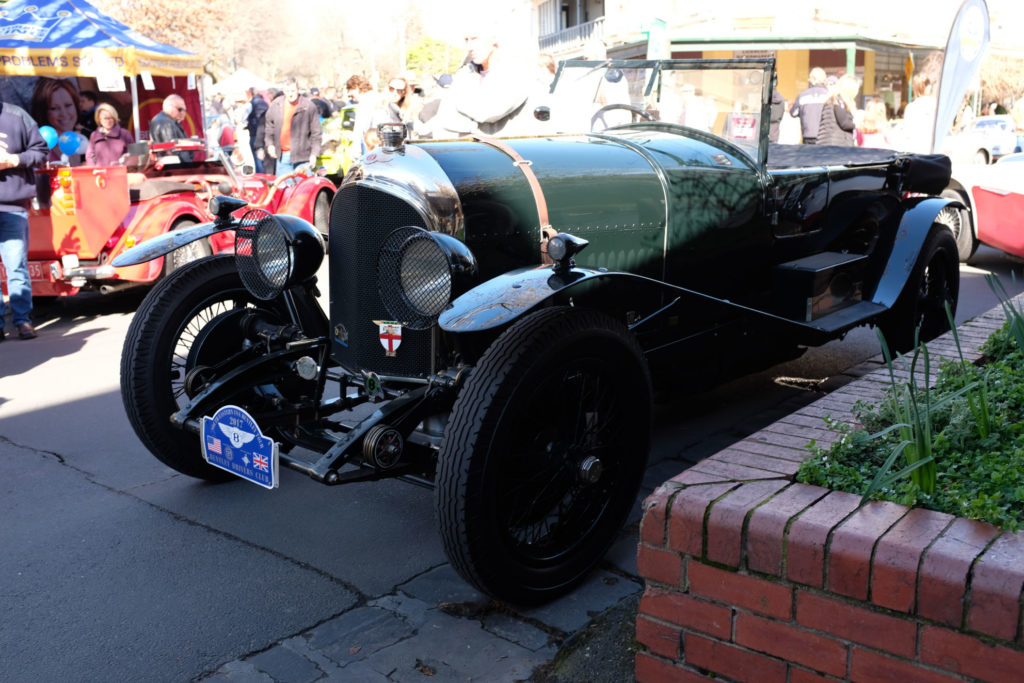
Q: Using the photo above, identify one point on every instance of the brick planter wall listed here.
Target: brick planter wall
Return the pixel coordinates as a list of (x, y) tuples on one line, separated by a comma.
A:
[(751, 577)]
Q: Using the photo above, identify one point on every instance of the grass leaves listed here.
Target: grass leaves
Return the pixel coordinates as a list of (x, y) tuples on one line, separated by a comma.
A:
[(953, 442)]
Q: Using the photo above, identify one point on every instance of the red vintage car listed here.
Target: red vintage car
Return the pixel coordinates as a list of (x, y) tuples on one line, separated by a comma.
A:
[(993, 200), (96, 212)]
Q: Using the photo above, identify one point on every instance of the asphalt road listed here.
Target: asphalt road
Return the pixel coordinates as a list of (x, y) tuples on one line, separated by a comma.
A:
[(114, 567)]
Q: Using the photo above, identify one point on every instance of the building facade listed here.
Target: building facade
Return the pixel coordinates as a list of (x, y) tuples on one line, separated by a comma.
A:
[(799, 39)]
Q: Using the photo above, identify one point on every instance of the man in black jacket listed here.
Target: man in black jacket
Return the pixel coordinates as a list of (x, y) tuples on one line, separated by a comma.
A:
[(808, 104), (21, 148), (293, 132), (166, 126), (256, 125)]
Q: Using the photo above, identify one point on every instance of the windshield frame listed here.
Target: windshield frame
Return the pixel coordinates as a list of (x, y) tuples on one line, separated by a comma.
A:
[(658, 69)]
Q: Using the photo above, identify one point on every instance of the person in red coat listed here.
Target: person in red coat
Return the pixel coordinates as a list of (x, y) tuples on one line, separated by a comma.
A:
[(109, 141)]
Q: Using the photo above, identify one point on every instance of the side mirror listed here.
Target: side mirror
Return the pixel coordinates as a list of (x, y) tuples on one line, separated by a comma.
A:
[(542, 113), (224, 187)]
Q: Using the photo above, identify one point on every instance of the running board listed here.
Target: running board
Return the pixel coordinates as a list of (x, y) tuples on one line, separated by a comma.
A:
[(848, 317)]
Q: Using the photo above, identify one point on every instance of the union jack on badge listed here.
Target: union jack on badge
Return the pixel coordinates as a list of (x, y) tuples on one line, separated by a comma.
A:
[(261, 462), (390, 335)]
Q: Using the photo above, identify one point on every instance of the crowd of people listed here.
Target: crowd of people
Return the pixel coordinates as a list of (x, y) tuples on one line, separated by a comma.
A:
[(488, 95), (828, 114), (281, 131)]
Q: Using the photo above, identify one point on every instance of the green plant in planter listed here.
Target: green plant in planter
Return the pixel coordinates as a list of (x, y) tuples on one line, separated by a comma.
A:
[(958, 445), (977, 397), (1014, 315), (913, 408)]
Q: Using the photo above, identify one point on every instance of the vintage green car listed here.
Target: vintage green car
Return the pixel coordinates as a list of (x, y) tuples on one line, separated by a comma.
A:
[(503, 310)]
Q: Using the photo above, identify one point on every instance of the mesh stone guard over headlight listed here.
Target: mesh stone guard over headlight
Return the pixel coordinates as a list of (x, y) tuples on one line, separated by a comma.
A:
[(275, 253), (419, 272)]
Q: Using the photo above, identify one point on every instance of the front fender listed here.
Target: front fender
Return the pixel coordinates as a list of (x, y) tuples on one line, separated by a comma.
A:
[(505, 298), (298, 201), (914, 227), (156, 216), (166, 243)]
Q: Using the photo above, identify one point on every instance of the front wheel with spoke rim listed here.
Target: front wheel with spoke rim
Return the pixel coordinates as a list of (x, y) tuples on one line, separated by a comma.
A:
[(544, 453), (934, 282), (168, 338)]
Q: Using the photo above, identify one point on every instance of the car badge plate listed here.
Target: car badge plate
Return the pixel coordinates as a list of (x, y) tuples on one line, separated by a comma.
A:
[(390, 335), (232, 441)]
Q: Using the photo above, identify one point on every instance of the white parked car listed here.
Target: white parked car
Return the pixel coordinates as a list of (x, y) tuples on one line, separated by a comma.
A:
[(983, 140)]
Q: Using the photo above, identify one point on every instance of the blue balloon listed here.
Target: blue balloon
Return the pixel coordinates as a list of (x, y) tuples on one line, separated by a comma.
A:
[(69, 142), (49, 134)]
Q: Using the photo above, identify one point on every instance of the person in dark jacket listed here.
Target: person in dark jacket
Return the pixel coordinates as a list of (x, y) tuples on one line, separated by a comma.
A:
[(777, 111), (293, 131), (256, 124), (21, 148), (87, 101), (808, 104), (323, 106), (837, 125), (109, 141), (166, 126)]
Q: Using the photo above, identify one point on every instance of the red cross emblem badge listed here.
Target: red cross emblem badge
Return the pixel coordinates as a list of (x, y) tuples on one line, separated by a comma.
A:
[(390, 335)]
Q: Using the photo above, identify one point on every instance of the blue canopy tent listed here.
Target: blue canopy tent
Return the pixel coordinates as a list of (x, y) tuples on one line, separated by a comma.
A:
[(72, 38)]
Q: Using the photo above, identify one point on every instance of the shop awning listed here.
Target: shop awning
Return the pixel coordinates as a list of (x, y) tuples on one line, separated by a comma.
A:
[(72, 38)]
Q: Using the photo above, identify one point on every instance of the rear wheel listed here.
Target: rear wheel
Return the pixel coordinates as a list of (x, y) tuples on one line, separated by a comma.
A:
[(934, 281), (175, 331), (543, 455), (322, 212), (961, 223), (193, 251), (981, 157)]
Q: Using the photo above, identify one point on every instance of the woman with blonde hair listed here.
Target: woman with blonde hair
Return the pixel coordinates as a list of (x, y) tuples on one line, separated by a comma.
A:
[(837, 114), (109, 141)]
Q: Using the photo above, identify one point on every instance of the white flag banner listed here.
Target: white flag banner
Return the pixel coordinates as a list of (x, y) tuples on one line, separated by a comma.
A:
[(968, 40)]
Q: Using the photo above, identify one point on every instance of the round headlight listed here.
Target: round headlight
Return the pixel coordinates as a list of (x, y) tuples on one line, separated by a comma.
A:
[(424, 277), (275, 253), (419, 272)]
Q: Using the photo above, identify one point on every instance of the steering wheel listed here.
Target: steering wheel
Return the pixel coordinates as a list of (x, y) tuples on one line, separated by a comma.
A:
[(635, 111)]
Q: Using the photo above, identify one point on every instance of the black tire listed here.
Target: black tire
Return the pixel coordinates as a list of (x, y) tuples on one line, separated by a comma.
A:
[(561, 390), (981, 156), (934, 280), (157, 352), (322, 212), (189, 253), (961, 223)]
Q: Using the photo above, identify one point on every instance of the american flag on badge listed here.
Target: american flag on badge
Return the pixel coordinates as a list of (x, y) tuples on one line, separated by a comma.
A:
[(213, 445), (260, 462)]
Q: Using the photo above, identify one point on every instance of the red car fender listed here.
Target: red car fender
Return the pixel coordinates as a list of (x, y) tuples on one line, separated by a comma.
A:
[(152, 218), (1000, 214), (299, 199)]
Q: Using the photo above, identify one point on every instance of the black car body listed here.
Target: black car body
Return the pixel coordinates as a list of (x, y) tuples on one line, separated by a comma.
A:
[(507, 307)]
